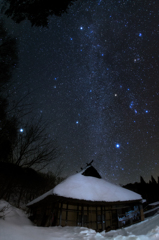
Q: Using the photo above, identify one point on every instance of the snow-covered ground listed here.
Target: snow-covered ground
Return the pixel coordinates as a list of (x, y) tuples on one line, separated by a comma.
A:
[(14, 225)]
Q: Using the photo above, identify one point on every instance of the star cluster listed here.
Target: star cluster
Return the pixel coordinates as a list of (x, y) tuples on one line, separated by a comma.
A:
[(94, 74)]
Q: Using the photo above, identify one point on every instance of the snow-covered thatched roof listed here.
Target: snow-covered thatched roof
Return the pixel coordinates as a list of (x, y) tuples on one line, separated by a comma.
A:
[(88, 185)]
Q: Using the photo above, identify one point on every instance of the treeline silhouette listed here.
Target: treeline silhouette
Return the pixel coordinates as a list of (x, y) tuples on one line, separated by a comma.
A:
[(20, 185), (23, 151), (149, 191)]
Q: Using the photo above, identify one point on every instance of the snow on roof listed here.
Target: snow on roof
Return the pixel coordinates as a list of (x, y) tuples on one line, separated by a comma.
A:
[(93, 189), (79, 186)]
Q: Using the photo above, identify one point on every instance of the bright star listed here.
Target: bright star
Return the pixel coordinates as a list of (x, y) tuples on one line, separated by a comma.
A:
[(21, 130), (117, 145)]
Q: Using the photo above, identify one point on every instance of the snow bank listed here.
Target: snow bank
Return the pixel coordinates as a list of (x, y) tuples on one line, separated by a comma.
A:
[(16, 226), (13, 215), (154, 204)]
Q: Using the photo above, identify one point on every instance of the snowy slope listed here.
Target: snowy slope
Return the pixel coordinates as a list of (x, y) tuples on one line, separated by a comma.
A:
[(13, 215), (16, 226)]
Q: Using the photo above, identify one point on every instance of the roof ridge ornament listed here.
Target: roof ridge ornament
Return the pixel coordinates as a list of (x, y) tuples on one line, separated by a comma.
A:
[(89, 164)]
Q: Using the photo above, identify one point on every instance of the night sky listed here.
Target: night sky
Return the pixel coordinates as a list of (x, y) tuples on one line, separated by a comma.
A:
[(93, 74)]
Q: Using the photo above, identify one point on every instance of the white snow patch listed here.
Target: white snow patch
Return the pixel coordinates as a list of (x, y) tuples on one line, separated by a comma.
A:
[(13, 215), (154, 204)]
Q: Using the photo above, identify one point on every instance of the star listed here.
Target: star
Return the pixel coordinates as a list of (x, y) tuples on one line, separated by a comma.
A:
[(96, 65)]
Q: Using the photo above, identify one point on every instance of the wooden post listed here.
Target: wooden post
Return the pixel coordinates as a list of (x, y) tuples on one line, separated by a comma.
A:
[(102, 218), (96, 219), (141, 212), (105, 217), (60, 214), (87, 216), (66, 214), (82, 216), (77, 214)]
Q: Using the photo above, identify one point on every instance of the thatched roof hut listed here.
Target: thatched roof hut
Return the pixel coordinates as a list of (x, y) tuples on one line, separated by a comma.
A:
[(85, 199)]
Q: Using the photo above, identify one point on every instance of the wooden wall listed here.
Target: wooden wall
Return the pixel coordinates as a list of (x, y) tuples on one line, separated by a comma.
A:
[(97, 217)]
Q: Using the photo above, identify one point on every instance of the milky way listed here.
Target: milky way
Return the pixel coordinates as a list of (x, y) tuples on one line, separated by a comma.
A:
[(94, 75)]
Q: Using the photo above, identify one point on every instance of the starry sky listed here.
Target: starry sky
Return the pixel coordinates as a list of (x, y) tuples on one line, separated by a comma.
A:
[(94, 74)]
